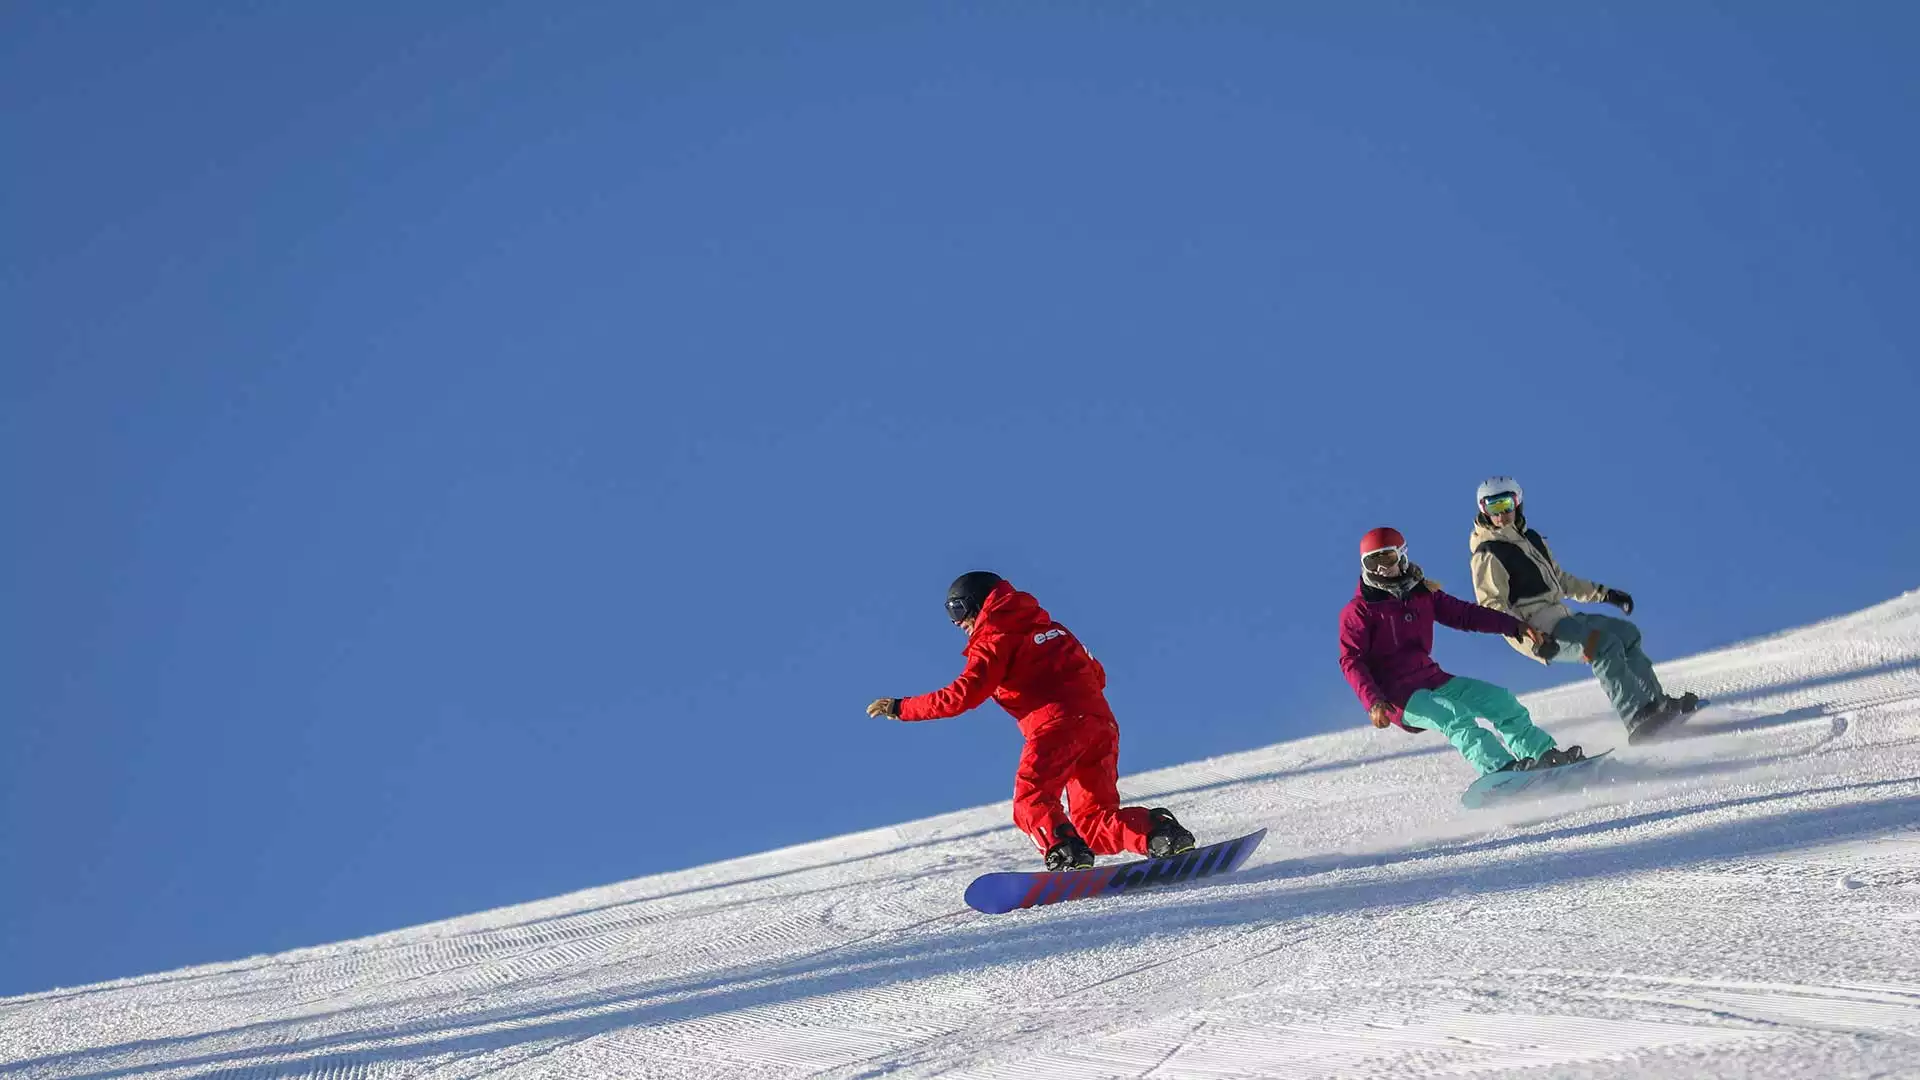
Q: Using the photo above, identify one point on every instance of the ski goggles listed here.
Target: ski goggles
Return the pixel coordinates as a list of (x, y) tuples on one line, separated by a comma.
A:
[(957, 610), (1383, 559), (1495, 505)]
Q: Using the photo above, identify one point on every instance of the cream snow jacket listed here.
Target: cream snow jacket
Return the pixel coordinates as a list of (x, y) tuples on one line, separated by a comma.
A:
[(1514, 572)]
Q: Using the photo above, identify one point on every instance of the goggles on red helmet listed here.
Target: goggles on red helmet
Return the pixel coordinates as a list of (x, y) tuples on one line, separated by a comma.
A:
[(1383, 559)]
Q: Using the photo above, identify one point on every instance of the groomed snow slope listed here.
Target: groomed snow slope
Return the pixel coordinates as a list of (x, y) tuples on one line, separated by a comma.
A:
[(1741, 902)]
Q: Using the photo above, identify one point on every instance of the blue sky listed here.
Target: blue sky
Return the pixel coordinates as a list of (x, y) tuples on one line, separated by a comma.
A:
[(464, 453)]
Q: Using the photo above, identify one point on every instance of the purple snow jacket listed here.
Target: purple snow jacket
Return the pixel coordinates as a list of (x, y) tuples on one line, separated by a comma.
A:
[(1386, 644)]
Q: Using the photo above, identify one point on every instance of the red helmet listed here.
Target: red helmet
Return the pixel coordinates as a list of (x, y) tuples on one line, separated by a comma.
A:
[(1380, 539), (1382, 549)]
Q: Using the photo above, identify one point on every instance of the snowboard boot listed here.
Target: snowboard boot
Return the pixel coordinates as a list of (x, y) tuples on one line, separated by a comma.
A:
[(1685, 703), (1520, 764), (1652, 718), (1553, 759), (1069, 852), (1168, 837)]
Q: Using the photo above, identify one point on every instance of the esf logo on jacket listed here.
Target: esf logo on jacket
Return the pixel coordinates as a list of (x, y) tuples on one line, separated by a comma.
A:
[(1042, 639)]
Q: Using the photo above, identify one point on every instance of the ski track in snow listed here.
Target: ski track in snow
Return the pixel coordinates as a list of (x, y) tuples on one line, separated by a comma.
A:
[(1742, 900)]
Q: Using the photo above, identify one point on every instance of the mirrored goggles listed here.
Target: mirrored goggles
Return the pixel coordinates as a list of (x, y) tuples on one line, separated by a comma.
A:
[(1384, 559), (957, 609), (1495, 505)]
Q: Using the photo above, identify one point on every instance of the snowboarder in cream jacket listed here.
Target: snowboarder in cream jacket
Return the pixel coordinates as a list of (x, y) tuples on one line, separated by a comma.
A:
[(1514, 571)]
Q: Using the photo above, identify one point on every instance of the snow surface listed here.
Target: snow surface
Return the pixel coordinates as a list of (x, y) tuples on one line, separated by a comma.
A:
[(1742, 902)]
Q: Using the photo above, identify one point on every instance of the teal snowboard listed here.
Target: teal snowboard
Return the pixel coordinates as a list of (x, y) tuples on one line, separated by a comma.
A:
[(1498, 787)]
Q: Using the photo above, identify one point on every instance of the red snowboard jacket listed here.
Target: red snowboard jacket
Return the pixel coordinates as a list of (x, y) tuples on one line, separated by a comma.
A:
[(1034, 667)]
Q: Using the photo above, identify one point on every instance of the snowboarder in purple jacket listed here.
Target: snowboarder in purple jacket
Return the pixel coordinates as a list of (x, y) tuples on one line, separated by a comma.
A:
[(1386, 652)]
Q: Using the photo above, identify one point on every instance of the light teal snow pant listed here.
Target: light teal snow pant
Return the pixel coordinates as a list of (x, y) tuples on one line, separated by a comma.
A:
[(1453, 710), (1613, 647)]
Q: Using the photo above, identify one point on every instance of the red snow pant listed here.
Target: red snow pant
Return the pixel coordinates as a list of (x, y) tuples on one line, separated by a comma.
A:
[(1078, 755)]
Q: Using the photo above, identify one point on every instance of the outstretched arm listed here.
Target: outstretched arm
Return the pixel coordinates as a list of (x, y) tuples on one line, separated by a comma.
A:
[(1457, 613), (1587, 592), (986, 666)]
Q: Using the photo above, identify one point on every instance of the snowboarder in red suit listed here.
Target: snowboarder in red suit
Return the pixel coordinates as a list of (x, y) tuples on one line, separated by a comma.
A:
[(1041, 674)]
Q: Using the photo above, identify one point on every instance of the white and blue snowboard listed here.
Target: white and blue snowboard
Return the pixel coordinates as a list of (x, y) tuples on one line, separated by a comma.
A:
[(1497, 787)]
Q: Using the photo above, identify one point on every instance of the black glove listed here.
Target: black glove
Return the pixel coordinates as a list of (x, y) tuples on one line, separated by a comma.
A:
[(1546, 648), (1620, 600)]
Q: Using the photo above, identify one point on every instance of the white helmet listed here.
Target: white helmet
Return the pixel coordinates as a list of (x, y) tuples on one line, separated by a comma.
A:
[(1498, 485)]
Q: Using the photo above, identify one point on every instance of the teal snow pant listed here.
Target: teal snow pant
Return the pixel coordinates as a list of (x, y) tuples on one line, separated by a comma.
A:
[(1454, 709), (1612, 646)]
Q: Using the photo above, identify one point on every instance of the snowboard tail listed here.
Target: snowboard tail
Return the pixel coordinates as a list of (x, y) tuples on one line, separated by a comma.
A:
[(997, 894)]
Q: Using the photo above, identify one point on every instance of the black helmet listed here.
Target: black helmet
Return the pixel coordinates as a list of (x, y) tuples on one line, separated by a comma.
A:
[(968, 592)]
